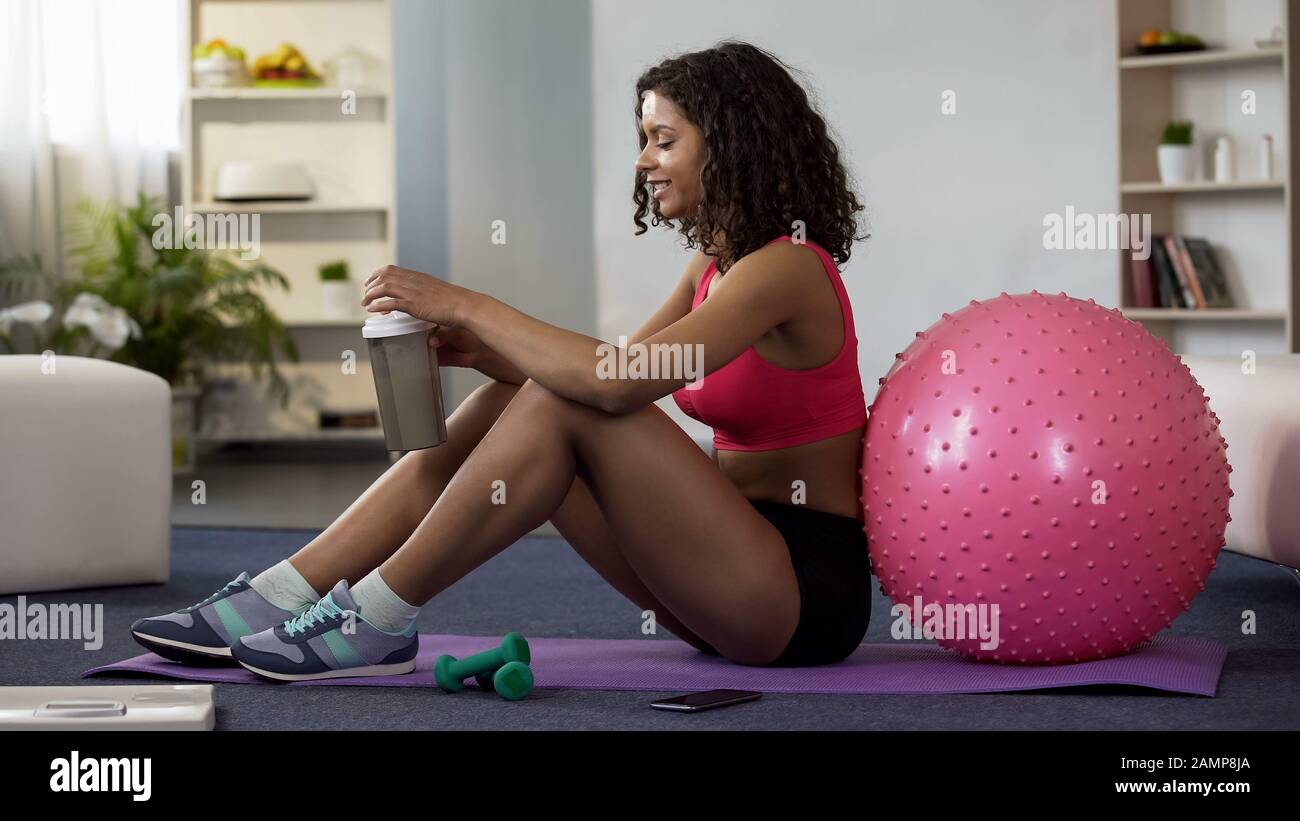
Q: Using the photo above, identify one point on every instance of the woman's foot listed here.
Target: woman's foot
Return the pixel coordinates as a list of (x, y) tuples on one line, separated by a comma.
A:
[(202, 633), (328, 640)]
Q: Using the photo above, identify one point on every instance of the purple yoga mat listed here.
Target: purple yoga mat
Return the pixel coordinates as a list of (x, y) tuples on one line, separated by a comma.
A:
[(1179, 665)]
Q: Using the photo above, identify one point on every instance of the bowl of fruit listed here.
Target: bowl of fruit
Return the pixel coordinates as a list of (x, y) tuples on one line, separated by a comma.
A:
[(217, 64), (1169, 41), (285, 67)]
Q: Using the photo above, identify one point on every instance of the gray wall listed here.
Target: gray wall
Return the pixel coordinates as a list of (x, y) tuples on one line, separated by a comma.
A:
[(955, 203), (508, 138), (420, 116)]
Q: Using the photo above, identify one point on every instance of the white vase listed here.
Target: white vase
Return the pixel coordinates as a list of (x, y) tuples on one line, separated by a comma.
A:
[(338, 299), (1177, 163)]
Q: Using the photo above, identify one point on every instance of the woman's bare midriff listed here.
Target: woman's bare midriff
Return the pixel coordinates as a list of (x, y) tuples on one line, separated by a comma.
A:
[(828, 470)]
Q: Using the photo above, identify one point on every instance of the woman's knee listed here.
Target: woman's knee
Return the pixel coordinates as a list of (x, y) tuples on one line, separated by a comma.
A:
[(484, 404), (471, 420), (494, 392), (542, 401)]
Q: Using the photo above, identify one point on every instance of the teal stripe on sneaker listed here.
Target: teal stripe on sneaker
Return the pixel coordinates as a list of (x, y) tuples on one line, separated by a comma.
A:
[(232, 621), (343, 652)]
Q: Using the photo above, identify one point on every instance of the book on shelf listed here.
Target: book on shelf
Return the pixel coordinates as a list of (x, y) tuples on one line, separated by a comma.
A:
[(1144, 295), (1181, 272), (1168, 291), (1206, 265), (1181, 275)]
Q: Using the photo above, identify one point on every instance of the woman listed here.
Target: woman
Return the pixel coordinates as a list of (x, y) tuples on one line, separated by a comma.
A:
[(758, 551)]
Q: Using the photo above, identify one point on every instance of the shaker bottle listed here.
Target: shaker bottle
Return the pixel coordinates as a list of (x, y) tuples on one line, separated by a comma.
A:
[(406, 381)]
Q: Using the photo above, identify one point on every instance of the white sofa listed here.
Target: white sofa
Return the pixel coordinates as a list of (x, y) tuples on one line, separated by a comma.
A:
[(1259, 418), (85, 475)]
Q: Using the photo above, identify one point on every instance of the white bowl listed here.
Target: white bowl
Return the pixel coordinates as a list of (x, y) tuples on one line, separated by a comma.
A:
[(218, 72)]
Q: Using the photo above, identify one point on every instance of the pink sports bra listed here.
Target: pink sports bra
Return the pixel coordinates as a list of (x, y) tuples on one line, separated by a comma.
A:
[(753, 405)]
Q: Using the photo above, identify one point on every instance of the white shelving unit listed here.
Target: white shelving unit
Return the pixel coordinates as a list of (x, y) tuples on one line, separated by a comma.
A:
[(1250, 221), (255, 93), (346, 140)]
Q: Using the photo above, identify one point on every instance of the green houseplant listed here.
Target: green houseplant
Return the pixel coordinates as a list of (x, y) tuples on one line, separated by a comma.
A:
[(338, 299), (1176, 155), (169, 311)]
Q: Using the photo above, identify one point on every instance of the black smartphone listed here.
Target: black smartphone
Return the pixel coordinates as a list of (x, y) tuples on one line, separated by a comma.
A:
[(695, 702)]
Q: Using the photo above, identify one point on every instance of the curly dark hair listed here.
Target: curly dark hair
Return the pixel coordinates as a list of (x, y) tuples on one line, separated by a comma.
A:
[(770, 158)]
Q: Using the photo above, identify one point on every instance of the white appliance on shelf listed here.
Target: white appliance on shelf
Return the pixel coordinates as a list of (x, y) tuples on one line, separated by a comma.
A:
[(243, 180)]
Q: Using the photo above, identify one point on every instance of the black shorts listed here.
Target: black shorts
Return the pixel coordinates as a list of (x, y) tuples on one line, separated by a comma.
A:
[(833, 570), (831, 563)]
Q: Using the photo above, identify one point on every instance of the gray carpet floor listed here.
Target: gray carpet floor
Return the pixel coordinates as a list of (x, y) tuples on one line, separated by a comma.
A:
[(541, 588)]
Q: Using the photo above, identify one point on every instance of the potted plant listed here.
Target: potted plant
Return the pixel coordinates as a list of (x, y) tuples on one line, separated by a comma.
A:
[(338, 300), (169, 311), (1176, 155)]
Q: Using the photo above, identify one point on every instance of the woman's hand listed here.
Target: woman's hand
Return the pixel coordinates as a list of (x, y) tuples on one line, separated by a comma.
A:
[(422, 296), (457, 347), (460, 348)]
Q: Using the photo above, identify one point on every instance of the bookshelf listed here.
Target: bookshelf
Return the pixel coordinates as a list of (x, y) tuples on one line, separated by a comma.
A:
[(350, 154), (1250, 221)]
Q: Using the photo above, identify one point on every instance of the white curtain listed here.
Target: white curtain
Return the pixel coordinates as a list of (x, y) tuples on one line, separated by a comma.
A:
[(26, 160), (89, 106)]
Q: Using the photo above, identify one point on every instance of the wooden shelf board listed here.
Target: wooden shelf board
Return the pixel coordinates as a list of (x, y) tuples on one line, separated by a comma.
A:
[(308, 322), (1201, 187), (284, 207), (1210, 314), (257, 93), (326, 435), (1208, 57)]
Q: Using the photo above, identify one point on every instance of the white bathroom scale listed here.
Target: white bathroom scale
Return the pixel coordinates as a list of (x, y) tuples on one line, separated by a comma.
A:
[(116, 707)]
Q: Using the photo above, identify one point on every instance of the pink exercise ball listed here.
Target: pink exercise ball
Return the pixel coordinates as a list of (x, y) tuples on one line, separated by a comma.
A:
[(1049, 457)]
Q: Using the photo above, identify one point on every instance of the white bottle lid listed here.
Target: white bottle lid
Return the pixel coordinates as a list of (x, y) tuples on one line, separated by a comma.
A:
[(394, 323)]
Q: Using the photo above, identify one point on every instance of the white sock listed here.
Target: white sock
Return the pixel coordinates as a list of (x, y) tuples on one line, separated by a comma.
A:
[(283, 586), (380, 606)]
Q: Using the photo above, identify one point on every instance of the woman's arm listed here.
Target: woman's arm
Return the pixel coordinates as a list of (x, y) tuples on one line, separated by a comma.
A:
[(763, 290), (460, 348)]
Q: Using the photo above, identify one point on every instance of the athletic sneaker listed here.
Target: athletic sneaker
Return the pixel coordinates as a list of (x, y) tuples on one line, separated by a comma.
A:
[(202, 633), (330, 639)]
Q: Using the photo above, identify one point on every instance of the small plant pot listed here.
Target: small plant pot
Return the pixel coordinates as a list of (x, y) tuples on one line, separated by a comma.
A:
[(338, 299), (1177, 163)]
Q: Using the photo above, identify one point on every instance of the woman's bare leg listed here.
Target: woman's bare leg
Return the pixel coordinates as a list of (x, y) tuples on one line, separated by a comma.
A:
[(383, 518), (691, 538), (585, 528)]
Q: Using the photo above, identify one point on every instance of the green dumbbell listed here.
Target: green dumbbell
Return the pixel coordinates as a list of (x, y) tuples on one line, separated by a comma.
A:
[(513, 681), (514, 685), (451, 673)]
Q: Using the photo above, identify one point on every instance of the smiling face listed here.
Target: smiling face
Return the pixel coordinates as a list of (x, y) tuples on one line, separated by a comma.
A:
[(673, 156)]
